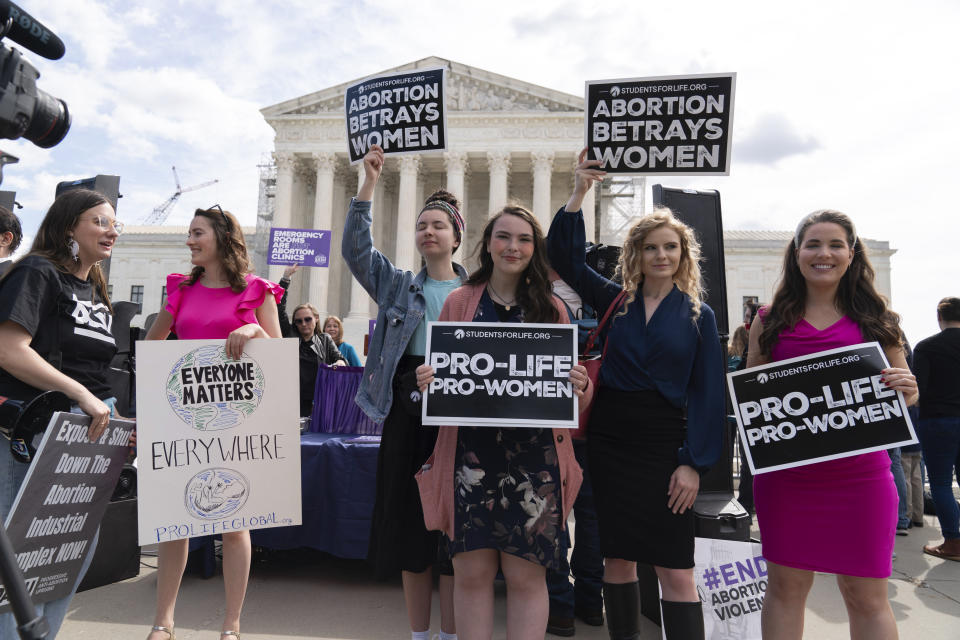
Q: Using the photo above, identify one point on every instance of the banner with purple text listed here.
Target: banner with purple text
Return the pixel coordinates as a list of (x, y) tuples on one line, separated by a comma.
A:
[(306, 247)]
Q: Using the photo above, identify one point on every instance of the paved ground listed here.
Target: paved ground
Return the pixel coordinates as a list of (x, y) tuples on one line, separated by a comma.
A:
[(318, 596)]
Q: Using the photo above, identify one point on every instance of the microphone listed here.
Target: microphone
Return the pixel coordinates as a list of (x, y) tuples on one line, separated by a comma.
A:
[(27, 31)]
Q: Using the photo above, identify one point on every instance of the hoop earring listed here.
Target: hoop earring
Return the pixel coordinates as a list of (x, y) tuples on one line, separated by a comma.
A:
[(74, 247)]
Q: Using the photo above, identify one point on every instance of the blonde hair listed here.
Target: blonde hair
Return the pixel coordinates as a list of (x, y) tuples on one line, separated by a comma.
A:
[(339, 324), (687, 278), (317, 329)]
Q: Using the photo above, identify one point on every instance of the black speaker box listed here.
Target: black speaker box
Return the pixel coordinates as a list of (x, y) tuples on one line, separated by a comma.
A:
[(118, 555)]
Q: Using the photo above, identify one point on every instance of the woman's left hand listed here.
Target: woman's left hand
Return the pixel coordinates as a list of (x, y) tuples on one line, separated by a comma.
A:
[(684, 486), (238, 338), (424, 377), (579, 379), (898, 379)]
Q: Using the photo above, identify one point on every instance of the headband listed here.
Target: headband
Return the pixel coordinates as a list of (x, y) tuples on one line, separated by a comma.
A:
[(450, 210), (806, 220)]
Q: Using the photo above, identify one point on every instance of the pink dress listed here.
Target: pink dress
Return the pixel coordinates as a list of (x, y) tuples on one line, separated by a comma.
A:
[(202, 313), (838, 516)]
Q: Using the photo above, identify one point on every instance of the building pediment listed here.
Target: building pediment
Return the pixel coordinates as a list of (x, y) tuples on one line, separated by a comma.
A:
[(468, 89)]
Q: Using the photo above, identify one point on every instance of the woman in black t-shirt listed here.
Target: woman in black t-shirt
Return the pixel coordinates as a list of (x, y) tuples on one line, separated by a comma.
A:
[(55, 321)]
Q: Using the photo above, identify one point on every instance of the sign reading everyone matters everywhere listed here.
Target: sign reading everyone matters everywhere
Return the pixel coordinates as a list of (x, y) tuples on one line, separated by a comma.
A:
[(401, 112), (501, 374), (306, 247), (218, 439), (61, 502), (675, 125), (823, 406)]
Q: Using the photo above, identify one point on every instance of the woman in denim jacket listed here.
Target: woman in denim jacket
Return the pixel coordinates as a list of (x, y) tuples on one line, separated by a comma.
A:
[(388, 392)]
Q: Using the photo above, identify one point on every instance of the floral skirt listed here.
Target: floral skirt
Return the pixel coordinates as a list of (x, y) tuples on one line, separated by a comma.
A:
[(507, 494)]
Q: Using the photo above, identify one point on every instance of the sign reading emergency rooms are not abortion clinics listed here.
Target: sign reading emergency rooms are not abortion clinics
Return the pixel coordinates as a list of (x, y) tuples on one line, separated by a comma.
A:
[(499, 374), (306, 247), (818, 407), (676, 125), (401, 112)]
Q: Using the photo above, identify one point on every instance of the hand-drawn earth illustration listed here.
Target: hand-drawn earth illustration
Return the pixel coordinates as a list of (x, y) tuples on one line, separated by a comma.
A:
[(216, 493)]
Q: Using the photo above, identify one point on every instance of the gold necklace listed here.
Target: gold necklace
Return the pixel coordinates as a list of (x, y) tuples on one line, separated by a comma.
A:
[(505, 304)]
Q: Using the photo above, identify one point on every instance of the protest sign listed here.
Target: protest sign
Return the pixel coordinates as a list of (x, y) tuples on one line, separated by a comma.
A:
[(731, 579), (401, 112), (60, 504), (218, 439), (823, 406), (500, 374), (675, 125), (307, 247)]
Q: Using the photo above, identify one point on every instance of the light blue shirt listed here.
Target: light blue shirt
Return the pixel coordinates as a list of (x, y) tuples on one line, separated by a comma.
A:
[(435, 292)]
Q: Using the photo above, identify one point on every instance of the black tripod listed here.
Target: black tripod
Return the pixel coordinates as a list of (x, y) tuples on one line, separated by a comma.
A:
[(30, 626)]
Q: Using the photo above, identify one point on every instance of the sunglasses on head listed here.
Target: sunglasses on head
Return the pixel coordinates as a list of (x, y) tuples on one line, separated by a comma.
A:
[(219, 209)]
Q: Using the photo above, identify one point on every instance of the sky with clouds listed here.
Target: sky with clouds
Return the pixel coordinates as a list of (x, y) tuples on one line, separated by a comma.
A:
[(848, 105)]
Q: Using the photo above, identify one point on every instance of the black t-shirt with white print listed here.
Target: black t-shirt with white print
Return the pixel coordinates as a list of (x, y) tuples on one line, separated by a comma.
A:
[(49, 303)]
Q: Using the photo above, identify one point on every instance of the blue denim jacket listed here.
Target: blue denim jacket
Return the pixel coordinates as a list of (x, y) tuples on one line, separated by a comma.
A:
[(401, 307)]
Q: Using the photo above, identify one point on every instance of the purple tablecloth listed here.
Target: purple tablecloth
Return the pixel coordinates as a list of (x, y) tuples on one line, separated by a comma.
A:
[(334, 410)]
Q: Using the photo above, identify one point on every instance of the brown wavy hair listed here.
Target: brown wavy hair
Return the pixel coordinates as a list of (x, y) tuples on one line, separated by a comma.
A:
[(53, 236), (856, 296), (231, 249), (535, 294), (687, 278)]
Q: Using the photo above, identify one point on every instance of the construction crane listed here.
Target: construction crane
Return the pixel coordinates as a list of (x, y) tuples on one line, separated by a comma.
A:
[(159, 215)]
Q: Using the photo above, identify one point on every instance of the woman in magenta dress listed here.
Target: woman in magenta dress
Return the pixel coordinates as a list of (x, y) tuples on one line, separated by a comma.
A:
[(837, 516), (219, 299)]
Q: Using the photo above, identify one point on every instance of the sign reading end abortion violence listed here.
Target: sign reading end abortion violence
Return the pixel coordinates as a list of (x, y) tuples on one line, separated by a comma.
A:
[(218, 440), (61, 501), (493, 374), (402, 112), (307, 247), (823, 406), (675, 125)]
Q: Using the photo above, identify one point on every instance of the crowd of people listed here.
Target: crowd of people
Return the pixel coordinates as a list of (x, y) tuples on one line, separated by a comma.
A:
[(468, 503)]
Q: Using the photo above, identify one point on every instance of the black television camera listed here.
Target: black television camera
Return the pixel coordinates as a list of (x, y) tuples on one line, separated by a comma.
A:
[(25, 110)]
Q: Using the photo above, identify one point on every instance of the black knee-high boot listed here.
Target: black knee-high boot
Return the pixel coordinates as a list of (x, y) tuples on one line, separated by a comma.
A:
[(682, 620), (622, 602)]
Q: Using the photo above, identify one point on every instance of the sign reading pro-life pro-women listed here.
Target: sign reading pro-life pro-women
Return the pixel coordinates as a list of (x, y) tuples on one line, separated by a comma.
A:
[(674, 125), (401, 112), (500, 374), (823, 406), (218, 440)]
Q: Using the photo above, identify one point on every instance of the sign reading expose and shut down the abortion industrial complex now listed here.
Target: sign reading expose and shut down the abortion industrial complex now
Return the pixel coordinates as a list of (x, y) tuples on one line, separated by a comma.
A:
[(61, 502), (306, 247), (401, 112), (218, 439), (501, 374), (678, 125), (823, 406)]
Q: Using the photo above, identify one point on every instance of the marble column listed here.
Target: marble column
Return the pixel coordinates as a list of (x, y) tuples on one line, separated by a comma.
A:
[(498, 165), (283, 201), (542, 171), (359, 301), (455, 162), (326, 164), (409, 167), (590, 213)]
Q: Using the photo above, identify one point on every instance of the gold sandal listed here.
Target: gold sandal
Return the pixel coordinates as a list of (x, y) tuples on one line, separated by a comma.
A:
[(170, 634)]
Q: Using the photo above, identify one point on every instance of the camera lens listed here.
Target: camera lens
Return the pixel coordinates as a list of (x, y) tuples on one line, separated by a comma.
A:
[(50, 121)]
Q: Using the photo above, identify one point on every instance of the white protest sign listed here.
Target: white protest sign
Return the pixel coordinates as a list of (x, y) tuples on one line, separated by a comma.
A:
[(218, 440)]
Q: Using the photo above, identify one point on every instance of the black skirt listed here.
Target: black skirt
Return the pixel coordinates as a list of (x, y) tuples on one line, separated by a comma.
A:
[(632, 447), (399, 541)]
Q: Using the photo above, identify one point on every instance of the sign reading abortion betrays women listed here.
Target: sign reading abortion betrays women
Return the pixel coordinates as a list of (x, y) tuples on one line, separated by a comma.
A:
[(673, 125), (401, 112), (218, 440), (499, 374), (306, 247), (823, 406), (61, 502)]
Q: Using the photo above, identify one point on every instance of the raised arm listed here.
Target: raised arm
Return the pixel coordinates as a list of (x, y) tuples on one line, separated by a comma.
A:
[(286, 329)]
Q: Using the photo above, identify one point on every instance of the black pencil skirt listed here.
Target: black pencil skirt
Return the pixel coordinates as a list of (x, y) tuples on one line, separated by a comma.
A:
[(632, 446)]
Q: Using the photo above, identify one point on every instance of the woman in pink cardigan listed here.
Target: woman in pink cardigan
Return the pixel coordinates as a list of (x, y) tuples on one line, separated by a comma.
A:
[(502, 494)]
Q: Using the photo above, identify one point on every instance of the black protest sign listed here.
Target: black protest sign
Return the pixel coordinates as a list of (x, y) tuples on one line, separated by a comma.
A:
[(61, 502), (501, 375), (403, 113), (823, 406), (673, 125)]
